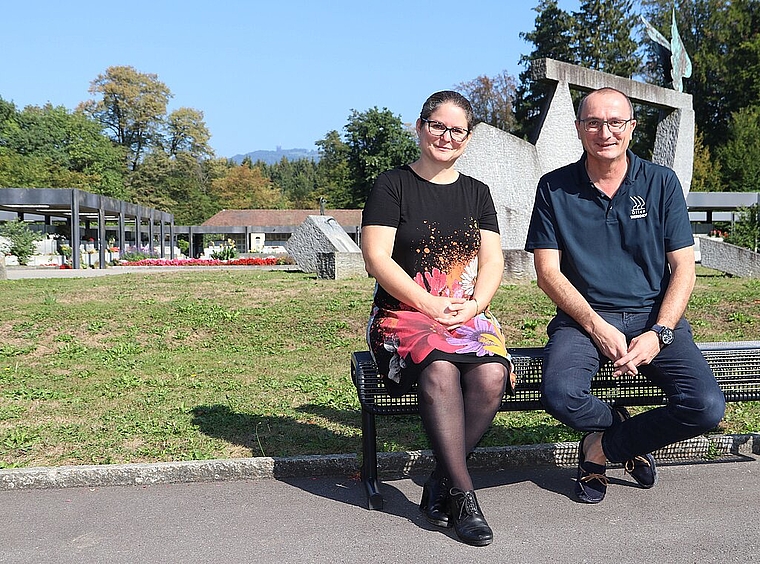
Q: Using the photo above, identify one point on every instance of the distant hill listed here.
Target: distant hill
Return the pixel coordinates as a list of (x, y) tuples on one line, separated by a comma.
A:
[(271, 157)]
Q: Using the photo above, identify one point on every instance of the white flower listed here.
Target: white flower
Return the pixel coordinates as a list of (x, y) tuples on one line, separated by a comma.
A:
[(396, 363), (469, 277)]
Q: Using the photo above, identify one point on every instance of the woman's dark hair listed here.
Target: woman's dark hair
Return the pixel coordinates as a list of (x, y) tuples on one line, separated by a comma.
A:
[(448, 96)]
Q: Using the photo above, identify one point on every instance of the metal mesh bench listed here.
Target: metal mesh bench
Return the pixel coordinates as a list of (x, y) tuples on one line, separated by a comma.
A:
[(736, 366)]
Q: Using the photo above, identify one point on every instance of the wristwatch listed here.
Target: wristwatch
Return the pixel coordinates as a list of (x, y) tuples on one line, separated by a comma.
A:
[(665, 334)]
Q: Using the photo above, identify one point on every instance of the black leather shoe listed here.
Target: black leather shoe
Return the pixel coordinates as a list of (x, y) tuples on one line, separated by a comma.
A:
[(468, 521), (435, 500)]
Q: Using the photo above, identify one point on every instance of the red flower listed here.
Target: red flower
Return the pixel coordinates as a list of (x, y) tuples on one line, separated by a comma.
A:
[(255, 261)]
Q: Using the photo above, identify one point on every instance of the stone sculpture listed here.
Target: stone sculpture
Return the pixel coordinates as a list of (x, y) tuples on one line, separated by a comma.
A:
[(679, 62)]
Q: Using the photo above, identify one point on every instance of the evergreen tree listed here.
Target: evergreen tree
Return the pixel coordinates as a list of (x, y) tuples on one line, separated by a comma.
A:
[(552, 38), (333, 174), (296, 180), (603, 37), (598, 37)]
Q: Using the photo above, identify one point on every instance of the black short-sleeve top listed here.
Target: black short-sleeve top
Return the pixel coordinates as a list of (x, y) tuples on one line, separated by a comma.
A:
[(438, 225)]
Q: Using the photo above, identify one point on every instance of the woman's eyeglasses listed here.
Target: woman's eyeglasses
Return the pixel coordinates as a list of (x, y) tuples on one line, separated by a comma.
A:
[(438, 129)]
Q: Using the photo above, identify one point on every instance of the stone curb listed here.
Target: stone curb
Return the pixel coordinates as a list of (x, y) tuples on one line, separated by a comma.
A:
[(390, 464)]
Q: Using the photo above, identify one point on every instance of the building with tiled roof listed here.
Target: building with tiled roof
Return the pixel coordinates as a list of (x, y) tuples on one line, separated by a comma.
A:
[(348, 219)]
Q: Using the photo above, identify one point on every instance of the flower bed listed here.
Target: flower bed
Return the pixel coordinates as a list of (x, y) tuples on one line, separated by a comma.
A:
[(253, 261)]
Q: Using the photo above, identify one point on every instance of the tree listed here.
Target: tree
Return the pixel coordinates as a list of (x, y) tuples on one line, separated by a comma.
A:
[(132, 107), (296, 180), (739, 158), (187, 185), (377, 141), (552, 38), (51, 147), (706, 171), (150, 184), (598, 36), (492, 99), (746, 231), (246, 187), (187, 132), (722, 39), (21, 240), (333, 174), (603, 40)]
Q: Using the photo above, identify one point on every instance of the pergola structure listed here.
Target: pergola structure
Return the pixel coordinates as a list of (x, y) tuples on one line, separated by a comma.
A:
[(719, 206), (79, 208)]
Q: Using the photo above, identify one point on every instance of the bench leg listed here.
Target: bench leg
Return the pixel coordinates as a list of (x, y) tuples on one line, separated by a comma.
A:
[(369, 461)]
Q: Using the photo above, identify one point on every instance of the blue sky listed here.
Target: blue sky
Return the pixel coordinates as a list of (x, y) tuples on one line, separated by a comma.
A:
[(265, 74)]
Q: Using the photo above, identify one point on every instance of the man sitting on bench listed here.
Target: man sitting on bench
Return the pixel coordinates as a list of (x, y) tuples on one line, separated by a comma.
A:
[(613, 249)]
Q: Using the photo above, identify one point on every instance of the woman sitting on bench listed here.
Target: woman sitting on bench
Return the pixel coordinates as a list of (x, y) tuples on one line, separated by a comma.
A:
[(431, 240)]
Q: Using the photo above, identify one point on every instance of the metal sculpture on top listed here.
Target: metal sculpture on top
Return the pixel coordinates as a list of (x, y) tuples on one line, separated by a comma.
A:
[(679, 62)]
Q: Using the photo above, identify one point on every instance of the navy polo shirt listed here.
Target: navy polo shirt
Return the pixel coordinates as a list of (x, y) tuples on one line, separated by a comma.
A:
[(613, 249)]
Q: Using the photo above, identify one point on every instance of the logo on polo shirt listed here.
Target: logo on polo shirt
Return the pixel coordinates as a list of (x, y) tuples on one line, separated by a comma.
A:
[(639, 209)]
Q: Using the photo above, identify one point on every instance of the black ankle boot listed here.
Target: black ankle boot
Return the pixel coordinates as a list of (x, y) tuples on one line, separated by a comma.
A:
[(435, 500), (468, 521)]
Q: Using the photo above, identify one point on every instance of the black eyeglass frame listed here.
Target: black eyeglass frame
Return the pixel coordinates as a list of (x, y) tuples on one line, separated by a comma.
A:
[(607, 122), (449, 130)]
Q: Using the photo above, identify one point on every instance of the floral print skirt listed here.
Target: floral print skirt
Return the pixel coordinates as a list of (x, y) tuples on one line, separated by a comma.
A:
[(404, 341)]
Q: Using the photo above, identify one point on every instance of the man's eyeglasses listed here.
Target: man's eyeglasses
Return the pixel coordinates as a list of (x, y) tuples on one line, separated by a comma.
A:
[(615, 125), (438, 129)]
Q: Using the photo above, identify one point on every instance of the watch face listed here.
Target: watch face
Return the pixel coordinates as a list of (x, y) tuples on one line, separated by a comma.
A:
[(666, 336)]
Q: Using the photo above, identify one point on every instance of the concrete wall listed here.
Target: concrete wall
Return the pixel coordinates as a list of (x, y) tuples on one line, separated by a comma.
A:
[(719, 255), (334, 266)]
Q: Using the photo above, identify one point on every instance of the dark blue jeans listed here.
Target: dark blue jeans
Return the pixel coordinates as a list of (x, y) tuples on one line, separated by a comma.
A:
[(695, 402)]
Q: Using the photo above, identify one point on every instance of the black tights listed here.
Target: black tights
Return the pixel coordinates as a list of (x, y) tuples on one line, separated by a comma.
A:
[(457, 404)]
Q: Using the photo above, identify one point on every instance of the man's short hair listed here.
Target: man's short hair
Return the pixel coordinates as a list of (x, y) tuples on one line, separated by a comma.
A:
[(604, 89)]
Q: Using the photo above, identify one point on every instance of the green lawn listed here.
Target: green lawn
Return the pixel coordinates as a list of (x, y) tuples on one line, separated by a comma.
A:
[(237, 363)]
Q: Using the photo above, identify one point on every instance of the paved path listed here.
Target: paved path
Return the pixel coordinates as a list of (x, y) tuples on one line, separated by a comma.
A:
[(698, 513)]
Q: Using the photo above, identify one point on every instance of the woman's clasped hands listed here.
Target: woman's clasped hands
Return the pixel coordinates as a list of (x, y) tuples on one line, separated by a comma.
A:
[(453, 312)]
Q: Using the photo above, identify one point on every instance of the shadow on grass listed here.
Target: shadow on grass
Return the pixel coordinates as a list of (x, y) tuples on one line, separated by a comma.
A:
[(275, 436)]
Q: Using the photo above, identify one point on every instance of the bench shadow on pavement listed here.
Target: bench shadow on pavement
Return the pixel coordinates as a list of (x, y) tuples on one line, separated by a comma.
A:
[(402, 501), (252, 431)]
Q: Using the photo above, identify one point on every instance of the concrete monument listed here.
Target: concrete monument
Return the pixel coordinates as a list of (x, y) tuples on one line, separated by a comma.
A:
[(322, 246)]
